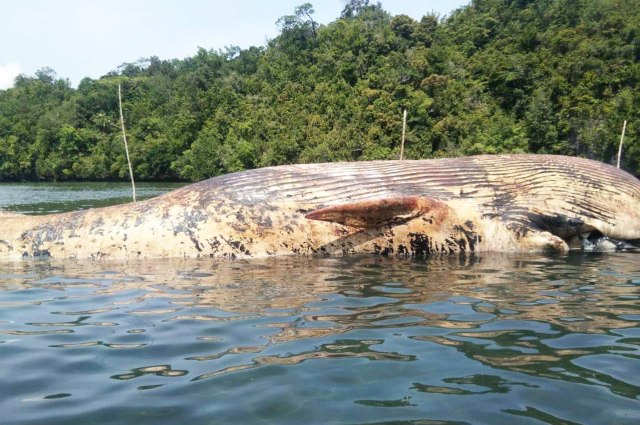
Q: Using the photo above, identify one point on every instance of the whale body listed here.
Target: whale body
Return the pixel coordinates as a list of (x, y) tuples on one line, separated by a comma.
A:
[(500, 203)]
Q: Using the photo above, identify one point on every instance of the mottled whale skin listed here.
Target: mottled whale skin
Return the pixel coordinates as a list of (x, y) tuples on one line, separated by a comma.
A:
[(501, 203)]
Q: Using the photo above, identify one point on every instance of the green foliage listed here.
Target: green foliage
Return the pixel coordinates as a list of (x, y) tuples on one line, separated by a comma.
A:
[(497, 76)]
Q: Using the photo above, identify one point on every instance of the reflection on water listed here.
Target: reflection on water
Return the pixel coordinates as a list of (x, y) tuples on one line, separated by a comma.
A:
[(503, 339)]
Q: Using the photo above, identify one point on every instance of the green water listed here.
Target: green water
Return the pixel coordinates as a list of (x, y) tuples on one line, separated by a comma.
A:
[(498, 339), (45, 198)]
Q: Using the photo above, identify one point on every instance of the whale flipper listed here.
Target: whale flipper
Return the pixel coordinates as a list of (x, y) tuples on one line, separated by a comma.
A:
[(381, 212)]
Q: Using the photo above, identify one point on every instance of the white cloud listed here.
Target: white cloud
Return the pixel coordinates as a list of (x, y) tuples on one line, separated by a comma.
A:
[(8, 72)]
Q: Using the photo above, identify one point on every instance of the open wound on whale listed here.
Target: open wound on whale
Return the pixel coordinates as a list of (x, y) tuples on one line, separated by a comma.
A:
[(393, 211), (381, 212), (456, 231)]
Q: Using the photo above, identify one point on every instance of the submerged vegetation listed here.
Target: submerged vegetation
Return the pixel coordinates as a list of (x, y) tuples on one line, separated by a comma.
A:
[(543, 76)]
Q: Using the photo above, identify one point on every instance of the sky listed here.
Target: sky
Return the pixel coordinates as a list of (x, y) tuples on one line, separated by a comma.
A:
[(89, 38)]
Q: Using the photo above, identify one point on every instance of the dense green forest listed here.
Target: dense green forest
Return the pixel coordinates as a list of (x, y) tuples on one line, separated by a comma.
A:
[(545, 76)]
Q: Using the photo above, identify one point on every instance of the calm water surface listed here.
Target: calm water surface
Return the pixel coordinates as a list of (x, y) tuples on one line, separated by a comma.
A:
[(45, 198), (358, 340)]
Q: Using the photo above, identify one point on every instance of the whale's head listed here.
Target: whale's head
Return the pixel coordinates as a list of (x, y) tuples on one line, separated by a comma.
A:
[(624, 222), (598, 201), (613, 208)]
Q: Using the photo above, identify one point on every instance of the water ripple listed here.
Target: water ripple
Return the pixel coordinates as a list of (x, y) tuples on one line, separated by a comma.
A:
[(338, 340)]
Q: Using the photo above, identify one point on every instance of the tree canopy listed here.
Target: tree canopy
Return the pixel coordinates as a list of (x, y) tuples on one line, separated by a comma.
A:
[(496, 76)]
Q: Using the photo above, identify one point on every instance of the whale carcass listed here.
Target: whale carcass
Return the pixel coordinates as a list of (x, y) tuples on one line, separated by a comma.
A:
[(501, 203)]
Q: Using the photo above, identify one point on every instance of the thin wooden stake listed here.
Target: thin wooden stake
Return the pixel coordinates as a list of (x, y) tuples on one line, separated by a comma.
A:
[(404, 132), (126, 146), (624, 128)]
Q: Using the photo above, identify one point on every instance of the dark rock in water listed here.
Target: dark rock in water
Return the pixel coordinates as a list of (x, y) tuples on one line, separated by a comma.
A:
[(595, 242)]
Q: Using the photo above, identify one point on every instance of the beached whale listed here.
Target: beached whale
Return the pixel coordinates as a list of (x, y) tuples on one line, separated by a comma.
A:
[(501, 203)]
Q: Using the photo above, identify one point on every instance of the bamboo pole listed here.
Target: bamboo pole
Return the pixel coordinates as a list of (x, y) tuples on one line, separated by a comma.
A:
[(404, 132), (624, 128), (126, 146)]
